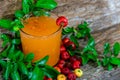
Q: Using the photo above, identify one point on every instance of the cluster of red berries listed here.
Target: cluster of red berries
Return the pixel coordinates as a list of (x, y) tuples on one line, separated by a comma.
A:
[(68, 63)]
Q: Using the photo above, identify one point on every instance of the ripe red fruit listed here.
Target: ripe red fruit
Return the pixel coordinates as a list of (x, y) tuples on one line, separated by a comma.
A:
[(71, 76), (73, 58), (62, 48), (76, 64), (62, 21), (45, 78), (68, 65), (65, 40), (61, 64), (65, 55), (49, 79), (65, 70), (80, 60), (72, 44)]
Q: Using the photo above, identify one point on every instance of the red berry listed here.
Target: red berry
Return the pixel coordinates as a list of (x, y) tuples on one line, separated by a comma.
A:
[(62, 21), (73, 58), (61, 61), (76, 64), (49, 79), (62, 48), (65, 70), (70, 43), (65, 55), (80, 60), (61, 64), (68, 65), (65, 40), (45, 77), (71, 76)]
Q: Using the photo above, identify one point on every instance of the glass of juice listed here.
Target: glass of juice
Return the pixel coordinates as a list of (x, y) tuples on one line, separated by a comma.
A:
[(42, 37)]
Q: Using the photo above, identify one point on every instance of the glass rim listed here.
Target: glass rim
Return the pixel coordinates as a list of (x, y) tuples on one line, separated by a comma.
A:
[(45, 36)]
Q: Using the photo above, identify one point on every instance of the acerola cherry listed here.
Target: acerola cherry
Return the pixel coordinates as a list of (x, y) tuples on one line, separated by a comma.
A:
[(61, 77), (68, 65), (62, 21), (73, 58), (61, 61), (70, 43), (65, 70), (65, 55), (71, 76), (76, 64), (62, 48), (61, 64), (49, 79), (45, 77), (65, 40), (57, 68)]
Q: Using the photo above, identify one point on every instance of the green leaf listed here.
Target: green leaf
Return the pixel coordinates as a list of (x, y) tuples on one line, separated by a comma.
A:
[(16, 41), (50, 71), (114, 60), (6, 24), (19, 56), (105, 61), (72, 53), (7, 71), (83, 25), (5, 39), (19, 14), (72, 38), (110, 67), (15, 75), (46, 4), (22, 68), (43, 61), (68, 29), (78, 35), (116, 49), (85, 59), (5, 43), (12, 49), (98, 62), (29, 65), (29, 57), (3, 63), (92, 57), (106, 48), (25, 6), (91, 42), (4, 53), (41, 13), (37, 74)]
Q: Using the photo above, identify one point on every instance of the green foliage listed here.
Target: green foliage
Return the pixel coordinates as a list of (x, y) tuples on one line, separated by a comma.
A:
[(12, 57), (109, 58), (4, 23), (46, 4), (29, 7)]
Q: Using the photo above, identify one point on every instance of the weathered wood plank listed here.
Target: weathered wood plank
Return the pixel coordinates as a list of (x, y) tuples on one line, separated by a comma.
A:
[(110, 35)]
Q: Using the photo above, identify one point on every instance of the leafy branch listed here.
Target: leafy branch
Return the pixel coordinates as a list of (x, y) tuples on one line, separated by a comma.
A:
[(109, 58), (15, 65)]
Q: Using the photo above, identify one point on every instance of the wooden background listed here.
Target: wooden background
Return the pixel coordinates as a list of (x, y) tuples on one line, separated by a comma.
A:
[(104, 19)]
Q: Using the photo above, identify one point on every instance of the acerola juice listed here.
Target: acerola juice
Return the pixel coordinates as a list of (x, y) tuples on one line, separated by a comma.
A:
[(42, 37)]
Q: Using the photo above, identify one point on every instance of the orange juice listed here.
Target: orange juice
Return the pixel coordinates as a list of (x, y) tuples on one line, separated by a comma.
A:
[(42, 37)]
